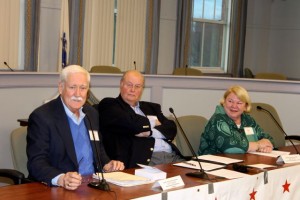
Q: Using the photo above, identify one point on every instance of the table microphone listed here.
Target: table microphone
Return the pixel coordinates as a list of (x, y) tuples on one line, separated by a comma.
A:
[(276, 122), (201, 173), (101, 184), (185, 70), (5, 63)]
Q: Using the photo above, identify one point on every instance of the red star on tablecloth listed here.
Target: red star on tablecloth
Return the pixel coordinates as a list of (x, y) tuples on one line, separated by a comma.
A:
[(252, 195), (286, 186)]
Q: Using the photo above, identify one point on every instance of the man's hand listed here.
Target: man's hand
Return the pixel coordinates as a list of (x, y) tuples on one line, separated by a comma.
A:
[(70, 180), (157, 122), (113, 165)]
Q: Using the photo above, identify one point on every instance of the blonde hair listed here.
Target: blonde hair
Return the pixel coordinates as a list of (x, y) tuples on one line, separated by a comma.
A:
[(241, 93)]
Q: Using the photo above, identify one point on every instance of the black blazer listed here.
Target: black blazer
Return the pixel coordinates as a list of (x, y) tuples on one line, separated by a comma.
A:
[(119, 124), (50, 147)]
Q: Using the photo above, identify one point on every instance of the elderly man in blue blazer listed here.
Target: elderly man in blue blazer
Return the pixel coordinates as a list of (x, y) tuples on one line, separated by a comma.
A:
[(63, 134)]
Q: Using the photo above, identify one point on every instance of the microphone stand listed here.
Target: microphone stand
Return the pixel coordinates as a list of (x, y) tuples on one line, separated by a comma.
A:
[(185, 70), (276, 122), (101, 184), (201, 173)]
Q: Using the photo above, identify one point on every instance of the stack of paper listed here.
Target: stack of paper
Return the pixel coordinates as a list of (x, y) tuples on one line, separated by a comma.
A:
[(150, 172), (123, 179)]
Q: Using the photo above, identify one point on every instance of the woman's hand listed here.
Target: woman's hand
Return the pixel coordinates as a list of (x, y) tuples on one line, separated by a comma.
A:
[(264, 145)]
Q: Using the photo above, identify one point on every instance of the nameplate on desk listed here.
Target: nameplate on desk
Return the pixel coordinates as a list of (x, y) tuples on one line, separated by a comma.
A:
[(170, 183), (292, 158)]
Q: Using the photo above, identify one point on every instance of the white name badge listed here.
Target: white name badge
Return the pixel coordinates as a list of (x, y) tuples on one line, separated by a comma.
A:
[(95, 137), (152, 117), (293, 158), (170, 183), (248, 130)]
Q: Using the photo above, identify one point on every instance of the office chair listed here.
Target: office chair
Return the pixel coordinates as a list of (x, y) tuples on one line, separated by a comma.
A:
[(274, 76), (18, 146), (193, 126), (248, 73), (266, 122), (92, 99), (187, 72), (105, 69)]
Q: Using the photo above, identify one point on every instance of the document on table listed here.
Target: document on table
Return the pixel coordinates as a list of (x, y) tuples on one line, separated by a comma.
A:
[(229, 174), (261, 166), (274, 153), (219, 159), (123, 179), (195, 165)]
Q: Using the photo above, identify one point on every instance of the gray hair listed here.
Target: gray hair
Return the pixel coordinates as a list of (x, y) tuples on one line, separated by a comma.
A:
[(73, 69)]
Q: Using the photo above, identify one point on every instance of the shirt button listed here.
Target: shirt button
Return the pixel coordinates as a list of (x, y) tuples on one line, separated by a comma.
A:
[(148, 160), (151, 149)]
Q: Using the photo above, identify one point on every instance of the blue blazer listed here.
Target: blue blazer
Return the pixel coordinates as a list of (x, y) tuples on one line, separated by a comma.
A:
[(50, 147)]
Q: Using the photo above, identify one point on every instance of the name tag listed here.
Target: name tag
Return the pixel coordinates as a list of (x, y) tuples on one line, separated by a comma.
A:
[(294, 158), (248, 130), (95, 137), (152, 117)]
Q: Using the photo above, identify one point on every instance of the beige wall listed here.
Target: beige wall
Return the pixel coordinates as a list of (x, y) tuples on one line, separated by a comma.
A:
[(272, 37), (22, 92), (167, 37)]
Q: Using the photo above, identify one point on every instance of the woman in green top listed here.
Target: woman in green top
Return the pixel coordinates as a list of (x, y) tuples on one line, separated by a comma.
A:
[(231, 129)]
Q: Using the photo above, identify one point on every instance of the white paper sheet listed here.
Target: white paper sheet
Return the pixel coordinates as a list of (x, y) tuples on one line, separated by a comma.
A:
[(195, 165), (229, 174), (274, 153), (261, 166), (152, 173), (219, 159)]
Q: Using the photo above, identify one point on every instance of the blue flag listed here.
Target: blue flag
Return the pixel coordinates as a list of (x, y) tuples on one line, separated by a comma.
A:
[(64, 51)]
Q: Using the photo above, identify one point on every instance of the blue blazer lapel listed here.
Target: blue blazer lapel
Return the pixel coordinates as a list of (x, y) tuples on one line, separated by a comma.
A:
[(63, 128)]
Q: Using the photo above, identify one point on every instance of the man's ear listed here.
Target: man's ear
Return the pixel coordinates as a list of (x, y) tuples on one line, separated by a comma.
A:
[(60, 87)]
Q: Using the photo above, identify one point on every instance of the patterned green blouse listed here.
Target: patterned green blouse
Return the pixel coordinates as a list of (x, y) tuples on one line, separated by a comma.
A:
[(221, 134)]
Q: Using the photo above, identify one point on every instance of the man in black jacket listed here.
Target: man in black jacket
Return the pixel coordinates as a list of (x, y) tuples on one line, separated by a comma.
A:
[(134, 131), (59, 147)]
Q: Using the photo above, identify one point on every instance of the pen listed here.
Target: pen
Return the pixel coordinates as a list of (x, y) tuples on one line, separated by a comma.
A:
[(192, 164)]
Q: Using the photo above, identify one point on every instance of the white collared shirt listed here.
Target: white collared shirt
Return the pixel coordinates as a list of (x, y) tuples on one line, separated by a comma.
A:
[(160, 144)]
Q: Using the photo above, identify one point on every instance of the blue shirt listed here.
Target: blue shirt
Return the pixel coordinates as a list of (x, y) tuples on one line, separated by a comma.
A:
[(76, 121)]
